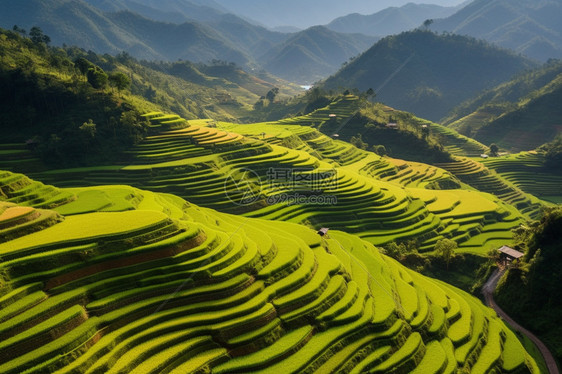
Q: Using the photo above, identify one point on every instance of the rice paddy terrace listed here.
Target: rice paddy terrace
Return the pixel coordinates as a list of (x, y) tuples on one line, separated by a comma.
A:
[(113, 279), (480, 177), (294, 173), (526, 170)]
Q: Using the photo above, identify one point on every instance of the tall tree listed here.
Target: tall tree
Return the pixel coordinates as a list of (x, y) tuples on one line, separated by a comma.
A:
[(446, 249), (37, 36), (119, 80), (97, 77)]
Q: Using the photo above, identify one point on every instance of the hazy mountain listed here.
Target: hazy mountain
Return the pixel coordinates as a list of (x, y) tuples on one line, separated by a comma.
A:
[(391, 20), (531, 27), (250, 38), (306, 13), (176, 11), (313, 54), (114, 26), (426, 73), (78, 23), (245, 35)]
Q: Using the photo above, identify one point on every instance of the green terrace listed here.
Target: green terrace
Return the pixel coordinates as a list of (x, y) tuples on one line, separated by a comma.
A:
[(132, 281), (477, 175), (458, 144), (219, 165), (526, 170)]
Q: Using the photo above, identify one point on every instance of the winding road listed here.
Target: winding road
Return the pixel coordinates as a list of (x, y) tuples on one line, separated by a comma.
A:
[(488, 291)]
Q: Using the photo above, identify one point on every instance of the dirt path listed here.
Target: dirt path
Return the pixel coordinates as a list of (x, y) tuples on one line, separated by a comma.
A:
[(488, 291)]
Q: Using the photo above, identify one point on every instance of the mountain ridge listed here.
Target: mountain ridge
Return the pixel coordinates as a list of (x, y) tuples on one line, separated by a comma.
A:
[(409, 71), (528, 27), (391, 20)]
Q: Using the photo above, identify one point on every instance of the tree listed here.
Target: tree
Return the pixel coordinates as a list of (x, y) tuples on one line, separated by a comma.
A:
[(396, 251), (494, 149), (445, 248), (37, 36), (370, 93), (358, 142), (380, 150), (89, 128), (119, 80), (427, 23), (271, 94), (83, 65), (16, 28), (97, 77)]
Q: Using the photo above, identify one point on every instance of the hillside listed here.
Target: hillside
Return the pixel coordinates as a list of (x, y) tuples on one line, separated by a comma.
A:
[(525, 26), (143, 282), (47, 98), (428, 74), (535, 120), (518, 115), (390, 21), (312, 54), (475, 112)]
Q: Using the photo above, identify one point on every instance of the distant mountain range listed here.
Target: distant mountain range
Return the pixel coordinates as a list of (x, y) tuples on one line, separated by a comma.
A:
[(202, 31), (76, 22), (167, 30), (531, 27), (426, 73), (306, 13), (391, 20)]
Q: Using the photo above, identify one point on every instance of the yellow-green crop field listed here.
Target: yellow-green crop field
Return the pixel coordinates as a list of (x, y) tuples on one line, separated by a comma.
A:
[(242, 169), (123, 280)]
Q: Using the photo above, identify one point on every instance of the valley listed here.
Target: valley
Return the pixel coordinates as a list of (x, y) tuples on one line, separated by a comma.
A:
[(185, 188)]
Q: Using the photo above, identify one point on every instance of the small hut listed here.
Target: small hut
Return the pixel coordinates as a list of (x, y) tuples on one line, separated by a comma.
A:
[(508, 255), (323, 231)]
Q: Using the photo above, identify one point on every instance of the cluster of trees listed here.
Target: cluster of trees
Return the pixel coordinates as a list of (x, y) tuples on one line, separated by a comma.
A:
[(409, 140), (553, 154), (98, 78), (532, 291), (59, 104), (35, 34)]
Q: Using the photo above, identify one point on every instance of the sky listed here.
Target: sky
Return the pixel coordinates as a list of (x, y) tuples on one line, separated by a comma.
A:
[(306, 13)]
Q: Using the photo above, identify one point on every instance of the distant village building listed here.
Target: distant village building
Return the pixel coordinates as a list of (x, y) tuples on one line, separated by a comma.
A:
[(392, 125), (483, 155), (508, 254)]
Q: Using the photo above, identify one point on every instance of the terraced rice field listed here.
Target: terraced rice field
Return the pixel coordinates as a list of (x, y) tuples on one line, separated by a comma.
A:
[(287, 172), (132, 281), (526, 171), (477, 175), (458, 144)]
